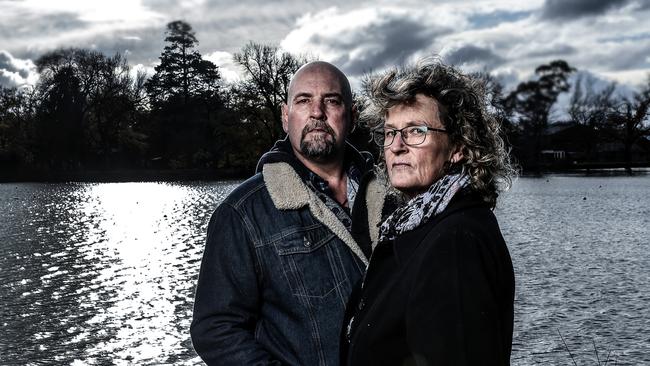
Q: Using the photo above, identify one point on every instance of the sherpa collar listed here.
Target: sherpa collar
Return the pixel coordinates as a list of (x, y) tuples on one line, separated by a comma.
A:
[(288, 192)]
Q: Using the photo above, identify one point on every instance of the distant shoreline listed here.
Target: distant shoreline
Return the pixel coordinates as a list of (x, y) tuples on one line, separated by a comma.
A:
[(127, 175), (180, 175)]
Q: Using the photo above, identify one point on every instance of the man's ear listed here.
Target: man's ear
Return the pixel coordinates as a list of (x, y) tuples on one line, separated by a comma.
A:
[(285, 117), (354, 115)]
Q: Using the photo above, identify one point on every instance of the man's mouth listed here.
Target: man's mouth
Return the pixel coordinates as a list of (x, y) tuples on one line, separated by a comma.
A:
[(317, 127)]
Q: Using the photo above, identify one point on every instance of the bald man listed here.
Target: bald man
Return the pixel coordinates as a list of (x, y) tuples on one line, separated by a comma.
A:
[(280, 261)]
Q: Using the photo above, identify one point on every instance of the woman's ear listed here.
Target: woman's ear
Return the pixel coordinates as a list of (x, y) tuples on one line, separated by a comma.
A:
[(457, 154)]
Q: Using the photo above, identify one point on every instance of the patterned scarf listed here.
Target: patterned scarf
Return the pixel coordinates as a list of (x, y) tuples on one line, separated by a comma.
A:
[(423, 207)]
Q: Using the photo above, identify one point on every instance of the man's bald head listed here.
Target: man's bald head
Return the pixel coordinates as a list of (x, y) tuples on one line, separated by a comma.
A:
[(323, 67)]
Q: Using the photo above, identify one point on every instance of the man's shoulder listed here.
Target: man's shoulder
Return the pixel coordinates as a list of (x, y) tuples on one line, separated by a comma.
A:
[(249, 189)]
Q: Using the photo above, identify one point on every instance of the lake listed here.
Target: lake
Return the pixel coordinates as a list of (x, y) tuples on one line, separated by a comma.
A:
[(104, 273)]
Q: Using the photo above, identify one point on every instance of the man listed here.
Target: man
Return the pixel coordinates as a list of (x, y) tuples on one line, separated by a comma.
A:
[(280, 262)]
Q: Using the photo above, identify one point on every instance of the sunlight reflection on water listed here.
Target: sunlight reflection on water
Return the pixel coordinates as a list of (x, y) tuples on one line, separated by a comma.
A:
[(94, 274), (102, 273)]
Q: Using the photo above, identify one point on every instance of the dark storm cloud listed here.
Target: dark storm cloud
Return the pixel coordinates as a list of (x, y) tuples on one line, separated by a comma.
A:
[(632, 58), (25, 24), (140, 47), (489, 20), (627, 37), (228, 25), (391, 42), (570, 9), (561, 50), (473, 54)]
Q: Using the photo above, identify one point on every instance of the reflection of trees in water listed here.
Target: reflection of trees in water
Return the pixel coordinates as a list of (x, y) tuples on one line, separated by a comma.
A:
[(48, 269)]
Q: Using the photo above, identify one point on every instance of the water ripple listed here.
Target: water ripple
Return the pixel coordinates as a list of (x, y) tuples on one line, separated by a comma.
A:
[(94, 274)]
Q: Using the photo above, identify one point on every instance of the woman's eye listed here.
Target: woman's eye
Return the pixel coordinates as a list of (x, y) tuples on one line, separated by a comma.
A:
[(417, 131), (390, 133)]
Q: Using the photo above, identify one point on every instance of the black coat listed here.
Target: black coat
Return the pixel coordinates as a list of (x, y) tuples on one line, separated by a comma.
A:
[(441, 294)]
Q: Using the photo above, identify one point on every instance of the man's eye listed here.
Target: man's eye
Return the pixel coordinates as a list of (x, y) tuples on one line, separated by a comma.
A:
[(302, 101), (333, 101)]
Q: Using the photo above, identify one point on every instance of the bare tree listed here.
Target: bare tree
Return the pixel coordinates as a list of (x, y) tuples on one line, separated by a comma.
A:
[(630, 121), (268, 71), (532, 102), (590, 108)]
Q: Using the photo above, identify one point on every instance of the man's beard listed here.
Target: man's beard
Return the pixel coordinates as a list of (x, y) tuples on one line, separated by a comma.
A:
[(320, 146)]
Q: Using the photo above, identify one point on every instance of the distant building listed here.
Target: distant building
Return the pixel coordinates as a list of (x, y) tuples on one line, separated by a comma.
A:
[(568, 143)]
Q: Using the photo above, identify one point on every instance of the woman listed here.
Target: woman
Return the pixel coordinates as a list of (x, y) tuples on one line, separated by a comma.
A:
[(439, 289)]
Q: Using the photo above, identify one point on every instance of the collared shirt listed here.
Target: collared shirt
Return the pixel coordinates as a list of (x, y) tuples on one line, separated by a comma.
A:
[(282, 151), (325, 193)]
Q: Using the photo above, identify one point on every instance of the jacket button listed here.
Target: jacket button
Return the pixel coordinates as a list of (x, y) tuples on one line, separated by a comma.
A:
[(362, 304), (306, 242)]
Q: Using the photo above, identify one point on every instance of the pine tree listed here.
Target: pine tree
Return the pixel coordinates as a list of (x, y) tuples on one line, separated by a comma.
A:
[(182, 73)]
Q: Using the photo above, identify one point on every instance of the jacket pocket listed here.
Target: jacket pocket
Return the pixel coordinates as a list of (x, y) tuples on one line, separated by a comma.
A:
[(310, 261)]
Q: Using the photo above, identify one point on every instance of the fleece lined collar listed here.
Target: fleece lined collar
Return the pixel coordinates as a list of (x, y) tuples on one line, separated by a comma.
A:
[(288, 192)]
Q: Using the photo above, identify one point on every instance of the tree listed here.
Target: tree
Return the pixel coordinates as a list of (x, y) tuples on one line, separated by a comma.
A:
[(630, 122), (261, 95), (16, 116), (185, 97), (182, 72), (532, 102), (589, 108), (87, 109)]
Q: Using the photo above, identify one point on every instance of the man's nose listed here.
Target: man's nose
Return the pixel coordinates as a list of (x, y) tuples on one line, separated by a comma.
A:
[(317, 109)]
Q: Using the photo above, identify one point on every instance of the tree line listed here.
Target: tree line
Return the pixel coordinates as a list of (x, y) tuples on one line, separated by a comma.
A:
[(90, 112)]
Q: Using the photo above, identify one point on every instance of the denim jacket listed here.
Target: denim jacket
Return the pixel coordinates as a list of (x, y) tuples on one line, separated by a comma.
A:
[(277, 271)]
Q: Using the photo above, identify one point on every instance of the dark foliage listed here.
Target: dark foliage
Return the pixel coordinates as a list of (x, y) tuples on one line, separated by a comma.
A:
[(90, 112)]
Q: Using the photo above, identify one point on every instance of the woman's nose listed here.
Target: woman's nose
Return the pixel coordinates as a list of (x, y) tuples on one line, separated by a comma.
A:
[(398, 144)]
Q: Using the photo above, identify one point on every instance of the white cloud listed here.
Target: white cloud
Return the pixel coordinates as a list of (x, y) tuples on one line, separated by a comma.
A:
[(230, 71), (140, 68), (15, 72), (635, 78)]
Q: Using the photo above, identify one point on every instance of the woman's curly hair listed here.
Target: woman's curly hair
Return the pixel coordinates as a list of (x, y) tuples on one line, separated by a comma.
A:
[(464, 111)]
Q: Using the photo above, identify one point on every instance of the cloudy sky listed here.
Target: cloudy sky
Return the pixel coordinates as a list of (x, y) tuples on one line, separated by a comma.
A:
[(509, 38)]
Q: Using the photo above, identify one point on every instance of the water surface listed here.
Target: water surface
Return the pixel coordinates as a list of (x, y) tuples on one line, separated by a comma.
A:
[(100, 274)]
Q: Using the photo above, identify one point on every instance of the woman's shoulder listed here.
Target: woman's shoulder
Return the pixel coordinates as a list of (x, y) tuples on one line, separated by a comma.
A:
[(468, 223), (469, 211)]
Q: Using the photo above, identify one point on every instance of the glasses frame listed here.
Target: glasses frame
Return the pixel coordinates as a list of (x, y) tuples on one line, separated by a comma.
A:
[(378, 133)]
